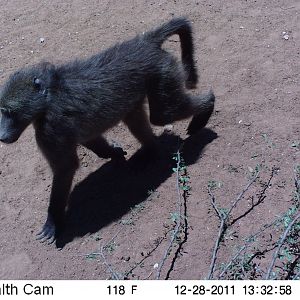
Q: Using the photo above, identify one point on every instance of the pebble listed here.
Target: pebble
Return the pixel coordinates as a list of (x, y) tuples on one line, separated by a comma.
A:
[(42, 40), (285, 35), (250, 169)]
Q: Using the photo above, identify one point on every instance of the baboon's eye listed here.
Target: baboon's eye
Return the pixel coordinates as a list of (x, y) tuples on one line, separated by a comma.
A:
[(37, 82)]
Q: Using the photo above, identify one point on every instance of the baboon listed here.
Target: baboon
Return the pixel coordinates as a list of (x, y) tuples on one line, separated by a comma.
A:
[(76, 102)]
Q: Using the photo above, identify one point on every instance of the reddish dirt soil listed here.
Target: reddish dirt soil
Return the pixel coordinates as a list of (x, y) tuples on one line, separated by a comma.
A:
[(254, 72)]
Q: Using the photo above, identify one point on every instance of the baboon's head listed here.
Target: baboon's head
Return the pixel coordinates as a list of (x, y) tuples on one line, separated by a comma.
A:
[(23, 98)]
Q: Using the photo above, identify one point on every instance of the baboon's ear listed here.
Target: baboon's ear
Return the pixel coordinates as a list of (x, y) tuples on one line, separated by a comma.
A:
[(47, 77)]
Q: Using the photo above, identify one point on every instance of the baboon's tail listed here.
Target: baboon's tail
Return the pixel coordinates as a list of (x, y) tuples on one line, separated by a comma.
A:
[(183, 28)]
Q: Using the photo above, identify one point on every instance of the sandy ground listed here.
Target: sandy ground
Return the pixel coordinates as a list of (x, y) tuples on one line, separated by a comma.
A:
[(254, 71)]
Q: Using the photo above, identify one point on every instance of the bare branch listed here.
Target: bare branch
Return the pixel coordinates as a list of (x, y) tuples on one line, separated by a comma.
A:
[(241, 195), (280, 243), (297, 186), (297, 276), (261, 198), (248, 241), (216, 248), (213, 202), (223, 221), (159, 241)]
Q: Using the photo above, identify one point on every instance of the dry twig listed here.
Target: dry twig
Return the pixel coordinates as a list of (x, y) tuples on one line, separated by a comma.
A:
[(224, 216), (148, 254), (297, 276), (280, 243), (248, 240)]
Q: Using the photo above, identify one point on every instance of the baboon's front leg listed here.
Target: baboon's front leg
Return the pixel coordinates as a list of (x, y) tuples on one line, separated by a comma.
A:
[(64, 165)]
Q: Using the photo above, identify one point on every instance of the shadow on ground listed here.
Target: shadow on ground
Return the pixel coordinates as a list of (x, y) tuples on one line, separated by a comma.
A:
[(109, 193)]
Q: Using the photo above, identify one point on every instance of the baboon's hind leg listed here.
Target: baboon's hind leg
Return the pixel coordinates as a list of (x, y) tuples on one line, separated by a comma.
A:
[(205, 110), (168, 102), (138, 123)]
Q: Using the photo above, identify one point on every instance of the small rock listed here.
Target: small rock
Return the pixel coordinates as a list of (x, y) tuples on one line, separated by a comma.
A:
[(240, 121), (42, 40), (155, 266), (242, 27), (286, 36)]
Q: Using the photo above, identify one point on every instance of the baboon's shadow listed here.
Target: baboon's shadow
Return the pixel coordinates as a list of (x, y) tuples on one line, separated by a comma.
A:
[(109, 193)]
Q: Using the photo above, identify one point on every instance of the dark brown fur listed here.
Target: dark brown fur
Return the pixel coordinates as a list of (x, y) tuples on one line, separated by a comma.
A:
[(75, 103)]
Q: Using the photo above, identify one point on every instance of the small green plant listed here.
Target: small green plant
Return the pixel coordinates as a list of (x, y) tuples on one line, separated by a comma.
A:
[(137, 209), (128, 221), (110, 247), (255, 155), (150, 192), (233, 169), (134, 211), (297, 170), (268, 141), (295, 145), (92, 256), (254, 171), (175, 217), (214, 184), (96, 237)]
